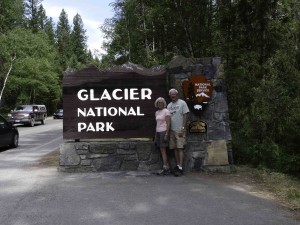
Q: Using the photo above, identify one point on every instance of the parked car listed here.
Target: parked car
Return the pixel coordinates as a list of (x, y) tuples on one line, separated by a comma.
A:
[(28, 114), (59, 114), (9, 135)]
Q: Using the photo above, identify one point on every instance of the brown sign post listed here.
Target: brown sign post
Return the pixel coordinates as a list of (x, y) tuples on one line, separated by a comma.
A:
[(111, 103)]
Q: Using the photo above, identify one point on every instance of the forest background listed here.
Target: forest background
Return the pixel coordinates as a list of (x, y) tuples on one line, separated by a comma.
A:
[(257, 40)]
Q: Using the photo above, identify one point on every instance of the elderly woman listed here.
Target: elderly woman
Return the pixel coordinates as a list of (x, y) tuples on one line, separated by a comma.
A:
[(162, 116)]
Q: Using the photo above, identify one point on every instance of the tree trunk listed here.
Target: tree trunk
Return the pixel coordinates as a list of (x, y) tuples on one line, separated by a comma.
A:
[(4, 84)]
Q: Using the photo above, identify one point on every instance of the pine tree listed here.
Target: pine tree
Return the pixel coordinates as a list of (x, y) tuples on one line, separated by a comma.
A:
[(42, 18), (63, 37), (79, 39), (31, 14), (49, 29)]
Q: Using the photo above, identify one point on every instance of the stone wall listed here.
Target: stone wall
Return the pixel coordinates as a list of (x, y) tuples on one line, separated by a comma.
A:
[(209, 151), (109, 156), (204, 151)]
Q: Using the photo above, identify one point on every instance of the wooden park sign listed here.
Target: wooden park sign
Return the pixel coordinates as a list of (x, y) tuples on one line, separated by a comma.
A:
[(197, 91), (112, 103)]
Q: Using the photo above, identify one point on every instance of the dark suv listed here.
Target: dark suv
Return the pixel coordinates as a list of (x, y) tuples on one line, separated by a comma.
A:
[(28, 114), (9, 135)]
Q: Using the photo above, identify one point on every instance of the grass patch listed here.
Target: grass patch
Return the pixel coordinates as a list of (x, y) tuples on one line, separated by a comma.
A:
[(51, 159), (282, 188)]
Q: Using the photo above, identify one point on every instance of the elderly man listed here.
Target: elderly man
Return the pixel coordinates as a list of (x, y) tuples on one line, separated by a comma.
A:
[(179, 116)]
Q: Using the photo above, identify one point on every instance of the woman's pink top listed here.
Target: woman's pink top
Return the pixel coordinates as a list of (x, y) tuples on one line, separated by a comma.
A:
[(160, 115)]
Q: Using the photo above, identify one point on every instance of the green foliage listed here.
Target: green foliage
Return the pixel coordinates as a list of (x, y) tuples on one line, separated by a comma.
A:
[(33, 76), (263, 83), (11, 14), (152, 32), (43, 51), (293, 194), (265, 154)]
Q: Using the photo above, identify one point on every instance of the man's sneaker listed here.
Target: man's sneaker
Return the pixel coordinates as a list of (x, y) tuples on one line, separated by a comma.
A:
[(177, 172), (175, 169)]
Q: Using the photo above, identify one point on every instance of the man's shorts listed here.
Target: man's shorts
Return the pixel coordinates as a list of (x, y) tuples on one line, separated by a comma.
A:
[(160, 139), (176, 141)]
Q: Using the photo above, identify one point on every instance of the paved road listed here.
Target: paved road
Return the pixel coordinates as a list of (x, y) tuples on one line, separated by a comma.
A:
[(31, 194)]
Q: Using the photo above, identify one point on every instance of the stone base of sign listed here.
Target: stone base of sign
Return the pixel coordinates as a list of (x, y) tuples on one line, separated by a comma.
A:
[(109, 156), (99, 156)]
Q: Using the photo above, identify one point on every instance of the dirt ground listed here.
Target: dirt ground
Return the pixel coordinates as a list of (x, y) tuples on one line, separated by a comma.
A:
[(282, 189)]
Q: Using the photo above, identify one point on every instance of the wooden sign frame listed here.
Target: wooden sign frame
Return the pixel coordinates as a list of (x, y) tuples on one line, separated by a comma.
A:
[(111, 104)]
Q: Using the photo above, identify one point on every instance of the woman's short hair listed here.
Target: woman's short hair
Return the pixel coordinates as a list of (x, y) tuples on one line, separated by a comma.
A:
[(160, 99), (173, 90)]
